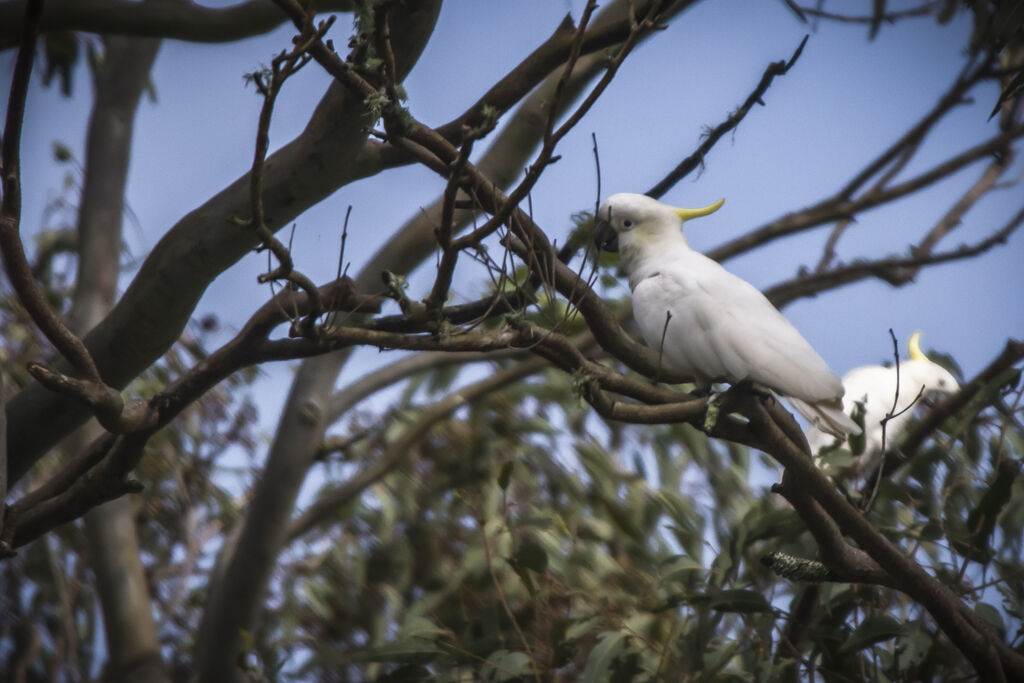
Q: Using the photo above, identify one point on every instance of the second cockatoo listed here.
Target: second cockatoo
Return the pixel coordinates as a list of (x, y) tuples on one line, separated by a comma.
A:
[(708, 323), (874, 387)]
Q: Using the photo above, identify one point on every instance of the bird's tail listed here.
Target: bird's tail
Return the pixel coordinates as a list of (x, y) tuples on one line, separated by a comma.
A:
[(827, 416)]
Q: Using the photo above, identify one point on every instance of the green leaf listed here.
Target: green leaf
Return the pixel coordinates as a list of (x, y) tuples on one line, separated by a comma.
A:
[(503, 665), (915, 642), (580, 628), (609, 646), (505, 475), (874, 629), (740, 600), (838, 459), (716, 660), (514, 664), (413, 650), (415, 646), (421, 627), (531, 555), (1011, 90), (680, 569)]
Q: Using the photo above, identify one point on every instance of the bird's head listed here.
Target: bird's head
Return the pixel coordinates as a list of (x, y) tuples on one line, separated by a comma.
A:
[(927, 373), (639, 218)]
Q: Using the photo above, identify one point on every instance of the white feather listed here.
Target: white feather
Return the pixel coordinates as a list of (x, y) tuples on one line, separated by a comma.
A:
[(710, 324), (874, 386)]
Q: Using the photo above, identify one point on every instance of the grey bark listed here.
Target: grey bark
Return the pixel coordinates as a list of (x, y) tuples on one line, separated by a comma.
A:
[(133, 645)]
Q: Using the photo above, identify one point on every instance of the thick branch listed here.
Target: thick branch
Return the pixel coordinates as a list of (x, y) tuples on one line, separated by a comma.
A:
[(849, 563), (104, 482), (178, 20)]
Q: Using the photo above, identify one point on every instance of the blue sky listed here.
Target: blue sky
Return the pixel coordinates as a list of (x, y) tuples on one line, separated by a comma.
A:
[(845, 101)]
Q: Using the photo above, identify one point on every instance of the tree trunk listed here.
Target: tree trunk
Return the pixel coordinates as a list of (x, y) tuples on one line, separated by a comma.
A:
[(133, 645)]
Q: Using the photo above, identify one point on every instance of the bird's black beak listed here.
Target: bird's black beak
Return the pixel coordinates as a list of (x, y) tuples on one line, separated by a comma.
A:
[(605, 236)]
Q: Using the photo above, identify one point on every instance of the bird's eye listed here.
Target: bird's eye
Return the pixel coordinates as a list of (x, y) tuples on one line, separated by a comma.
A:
[(942, 383), (627, 223)]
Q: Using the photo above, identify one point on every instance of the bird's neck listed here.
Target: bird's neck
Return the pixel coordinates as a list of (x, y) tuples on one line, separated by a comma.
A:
[(643, 255)]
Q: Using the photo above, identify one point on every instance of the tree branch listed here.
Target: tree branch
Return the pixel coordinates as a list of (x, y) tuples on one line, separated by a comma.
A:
[(177, 20), (837, 207), (157, 304), (896, 270), (233, 603)]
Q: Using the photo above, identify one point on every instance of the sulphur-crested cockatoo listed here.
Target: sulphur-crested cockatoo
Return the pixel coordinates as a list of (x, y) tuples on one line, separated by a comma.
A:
[(708, 323), (874, 387)]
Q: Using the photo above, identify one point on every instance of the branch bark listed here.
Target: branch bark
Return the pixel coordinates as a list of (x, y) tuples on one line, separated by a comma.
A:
[(178, 20)]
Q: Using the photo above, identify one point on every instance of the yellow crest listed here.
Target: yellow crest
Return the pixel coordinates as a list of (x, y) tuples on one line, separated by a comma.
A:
[(915, 347), (686, 214)]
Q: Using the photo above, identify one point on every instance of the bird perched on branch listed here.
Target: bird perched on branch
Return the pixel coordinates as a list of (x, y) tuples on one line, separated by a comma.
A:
[(707, 323), (874, 387)]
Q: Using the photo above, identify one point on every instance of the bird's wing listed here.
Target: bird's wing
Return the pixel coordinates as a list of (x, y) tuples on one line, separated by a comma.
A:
[(686, 337), (750, 338)]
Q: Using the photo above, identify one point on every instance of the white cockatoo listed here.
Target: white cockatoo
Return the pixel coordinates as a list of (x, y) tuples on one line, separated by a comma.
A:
[(708, 323), (874, 387)]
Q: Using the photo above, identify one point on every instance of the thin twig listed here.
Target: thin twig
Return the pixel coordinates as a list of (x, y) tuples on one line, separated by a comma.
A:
[(893, 413), (696, 159)]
